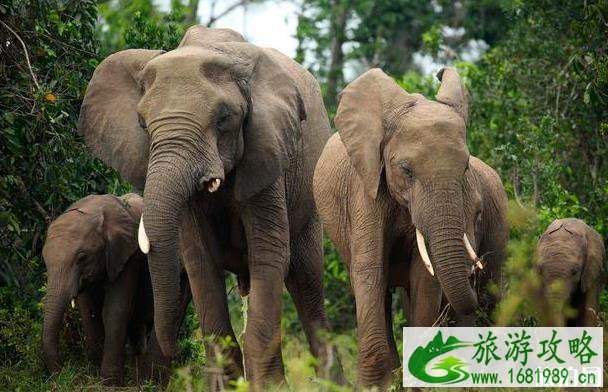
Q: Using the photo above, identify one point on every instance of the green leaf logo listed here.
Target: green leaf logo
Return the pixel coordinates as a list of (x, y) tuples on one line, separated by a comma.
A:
[(453, 367)]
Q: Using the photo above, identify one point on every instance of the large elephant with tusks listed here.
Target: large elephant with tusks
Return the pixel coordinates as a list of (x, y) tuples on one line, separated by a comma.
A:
[(223, 137), (407, 205)]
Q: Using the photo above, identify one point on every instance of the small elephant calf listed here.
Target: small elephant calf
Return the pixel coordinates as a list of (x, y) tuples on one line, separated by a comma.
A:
[(571, 263), (92, 256)]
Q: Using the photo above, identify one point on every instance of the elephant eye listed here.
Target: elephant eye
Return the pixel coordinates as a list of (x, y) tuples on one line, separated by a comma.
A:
[(406, 169), (142, 123), (223, 117), (81, 257), (575, 270)]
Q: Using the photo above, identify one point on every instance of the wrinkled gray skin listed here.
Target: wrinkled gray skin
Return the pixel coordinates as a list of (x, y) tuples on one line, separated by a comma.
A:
[(399, 162), (91, 255), (571, 260), (218, 107)]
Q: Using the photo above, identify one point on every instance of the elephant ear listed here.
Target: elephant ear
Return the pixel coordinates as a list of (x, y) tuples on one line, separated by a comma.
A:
[(108, 117), (120, 222), (452, 92), (594, 264), (200, 35), (272, 128), (367, 105)]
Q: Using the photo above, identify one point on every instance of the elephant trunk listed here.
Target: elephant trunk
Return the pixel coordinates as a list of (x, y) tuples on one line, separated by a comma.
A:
[(557, 287), (55, 304), (178, 168), (166, 192), (441, 222)]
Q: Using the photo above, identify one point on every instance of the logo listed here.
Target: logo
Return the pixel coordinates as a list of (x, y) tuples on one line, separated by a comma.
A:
[(451, 367), (503, 357)]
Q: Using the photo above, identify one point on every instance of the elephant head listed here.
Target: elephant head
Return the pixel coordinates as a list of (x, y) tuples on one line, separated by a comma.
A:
[(570, 259), (89, 243), (213, 114), (420, 146)]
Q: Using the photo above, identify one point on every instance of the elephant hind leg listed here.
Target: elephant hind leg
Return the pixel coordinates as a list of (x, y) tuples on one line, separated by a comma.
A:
[(305, 285)]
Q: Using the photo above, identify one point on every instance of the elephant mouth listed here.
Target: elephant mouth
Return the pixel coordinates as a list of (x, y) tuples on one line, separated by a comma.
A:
[(210, 185), (476, 262), (209, 177)]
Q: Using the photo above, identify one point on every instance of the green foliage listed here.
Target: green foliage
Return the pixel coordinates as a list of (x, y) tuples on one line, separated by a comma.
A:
[(359, 34), (140, 24), (539, 109), (339, 306), (44, 166)]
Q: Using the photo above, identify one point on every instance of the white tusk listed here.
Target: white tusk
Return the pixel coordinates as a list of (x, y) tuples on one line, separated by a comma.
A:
[(471, 252), (423, 252), (73, 303), (215, 185), (142, 237)]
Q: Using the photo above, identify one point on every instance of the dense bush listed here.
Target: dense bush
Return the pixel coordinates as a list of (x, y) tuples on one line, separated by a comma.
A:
[(539, 109), (44, 165)]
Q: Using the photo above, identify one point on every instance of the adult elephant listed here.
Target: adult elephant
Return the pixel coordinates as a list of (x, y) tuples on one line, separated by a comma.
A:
[(223, 136), (396, 176)]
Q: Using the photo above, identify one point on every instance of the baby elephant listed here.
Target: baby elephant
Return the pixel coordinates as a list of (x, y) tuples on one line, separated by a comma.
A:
[(92, 256), (571, 263)]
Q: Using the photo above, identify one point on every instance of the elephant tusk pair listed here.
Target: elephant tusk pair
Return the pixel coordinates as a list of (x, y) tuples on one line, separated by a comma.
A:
[(427, 260), (142, 237)]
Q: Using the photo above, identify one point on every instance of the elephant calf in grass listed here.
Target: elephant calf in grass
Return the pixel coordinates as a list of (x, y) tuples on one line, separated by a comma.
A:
[(91, 255), (407, 205), (571, 261)]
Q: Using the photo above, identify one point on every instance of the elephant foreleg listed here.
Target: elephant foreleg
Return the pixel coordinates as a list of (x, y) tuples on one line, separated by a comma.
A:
[(117, 309), (493, 251), (369, 272), (388, 316), (267, 233), (589, 316), (152, 364), (206, 275), (89, 304), (425, 295)]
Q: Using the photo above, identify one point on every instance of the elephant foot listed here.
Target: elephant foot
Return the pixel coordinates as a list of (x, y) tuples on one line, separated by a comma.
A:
[(274, 385), (154, 368), (330, 366), (112, 372), (381, 379), (112, 379)]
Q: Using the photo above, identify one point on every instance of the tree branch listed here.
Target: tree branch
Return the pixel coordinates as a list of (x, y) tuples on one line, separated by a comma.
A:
[(213, 19), (27, 57), (27, 194)]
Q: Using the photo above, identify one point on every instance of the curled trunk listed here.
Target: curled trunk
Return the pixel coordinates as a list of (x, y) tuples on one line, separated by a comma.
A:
[(442, 224), (55, 305)]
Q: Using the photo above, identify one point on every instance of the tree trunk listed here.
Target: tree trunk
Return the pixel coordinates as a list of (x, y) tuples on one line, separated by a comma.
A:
[(335, 76)]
